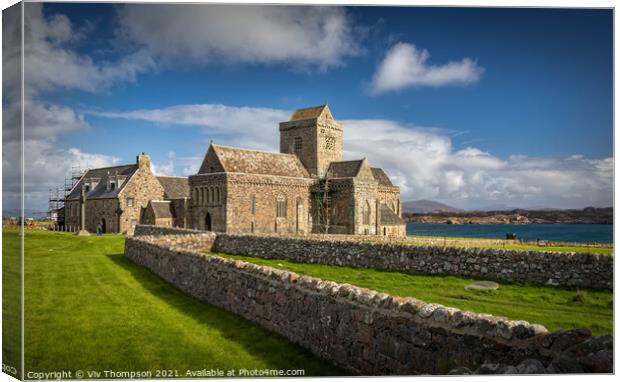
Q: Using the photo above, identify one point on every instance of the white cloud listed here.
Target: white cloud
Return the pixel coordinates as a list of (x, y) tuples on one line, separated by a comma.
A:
[(318, 36), (422, 161), (50, 63), (41, 120), (426, 166), (252, 126), (46, 167), (51, 60), (407, 66), (166, 168)]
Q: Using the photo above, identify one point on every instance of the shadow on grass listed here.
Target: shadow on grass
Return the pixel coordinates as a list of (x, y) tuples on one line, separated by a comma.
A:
[(272, 348)]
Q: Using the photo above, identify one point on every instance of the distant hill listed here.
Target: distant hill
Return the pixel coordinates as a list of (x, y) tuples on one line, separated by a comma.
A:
[(29, 213), (424, 206), (495, 207)]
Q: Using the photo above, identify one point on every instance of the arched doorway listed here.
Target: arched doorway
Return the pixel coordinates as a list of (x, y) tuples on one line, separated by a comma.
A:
[(103, 228), (208, 222)]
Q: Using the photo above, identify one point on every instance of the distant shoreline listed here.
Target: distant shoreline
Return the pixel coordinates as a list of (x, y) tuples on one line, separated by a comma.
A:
[(588, 215)]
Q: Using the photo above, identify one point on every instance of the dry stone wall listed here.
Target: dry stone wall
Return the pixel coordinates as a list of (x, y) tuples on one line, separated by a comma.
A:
[(363, 331), (153, 230), (552, 268)]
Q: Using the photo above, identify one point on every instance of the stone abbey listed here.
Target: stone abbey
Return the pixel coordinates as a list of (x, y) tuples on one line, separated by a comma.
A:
[(305, 188)]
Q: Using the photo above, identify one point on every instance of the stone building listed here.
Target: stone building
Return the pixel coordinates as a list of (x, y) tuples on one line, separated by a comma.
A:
[(176, 192), (306, 188), (115, 197), (158, 212)]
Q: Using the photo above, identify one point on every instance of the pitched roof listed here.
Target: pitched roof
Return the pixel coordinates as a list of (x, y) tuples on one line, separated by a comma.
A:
[(161, 209), (175, 187), (381, 177), (388, 217), (101, 191), (308, 113), (344, 169), (235, 159)]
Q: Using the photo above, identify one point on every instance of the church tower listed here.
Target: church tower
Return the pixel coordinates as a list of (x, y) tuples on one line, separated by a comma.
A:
[(314, 136)]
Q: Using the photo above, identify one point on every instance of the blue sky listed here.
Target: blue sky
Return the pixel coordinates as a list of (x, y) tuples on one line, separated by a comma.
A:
[(472, 107)]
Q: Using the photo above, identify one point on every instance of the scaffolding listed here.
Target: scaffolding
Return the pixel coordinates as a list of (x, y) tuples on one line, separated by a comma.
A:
[(57, 196), (322, 203)]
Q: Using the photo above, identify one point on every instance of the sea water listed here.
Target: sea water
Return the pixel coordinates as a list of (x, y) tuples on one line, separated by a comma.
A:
[(576, 233)]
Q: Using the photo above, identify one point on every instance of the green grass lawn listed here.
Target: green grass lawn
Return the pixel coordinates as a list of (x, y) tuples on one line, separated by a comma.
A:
[(578, 249), (453, 241), (479, 243), (11, 300), (555, 308), (89, 308)]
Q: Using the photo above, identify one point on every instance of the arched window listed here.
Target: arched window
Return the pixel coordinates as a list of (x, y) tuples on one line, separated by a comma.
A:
[(366, 213), (203, 198), (217, 194), (281, 206)]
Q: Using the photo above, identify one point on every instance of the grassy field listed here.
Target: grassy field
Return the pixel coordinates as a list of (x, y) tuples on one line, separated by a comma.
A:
[(578, 249), (89, 308), (11, 301), (494, 243), (556, 308)]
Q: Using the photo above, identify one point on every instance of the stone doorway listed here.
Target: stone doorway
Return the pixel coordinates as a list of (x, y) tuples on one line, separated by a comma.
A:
[(208, 222), (103, 227)]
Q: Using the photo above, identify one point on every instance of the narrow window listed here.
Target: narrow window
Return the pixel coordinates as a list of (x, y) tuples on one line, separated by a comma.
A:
[(217, 194), (298, 145), (202, 195), (366, 214), (253, 204), (281, 206), (129, 202)]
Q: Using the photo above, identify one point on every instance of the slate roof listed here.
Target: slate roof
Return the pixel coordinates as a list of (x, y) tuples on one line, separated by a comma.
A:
[(161, 209), (101, 191), (344, 169), (307, 113), (235, 159), (175, 187), (381, 177), (389, 217)]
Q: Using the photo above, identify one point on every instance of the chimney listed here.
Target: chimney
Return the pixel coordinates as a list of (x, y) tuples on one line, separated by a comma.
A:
[(144, 162)]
